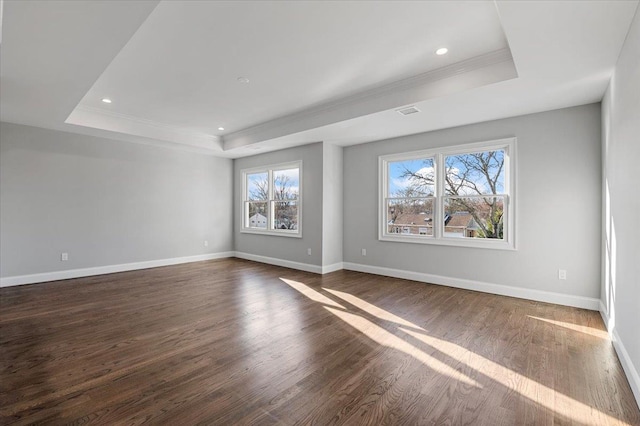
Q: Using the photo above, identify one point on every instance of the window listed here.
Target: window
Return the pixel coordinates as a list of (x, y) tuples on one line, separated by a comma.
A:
[(271, 200), (462, 195)]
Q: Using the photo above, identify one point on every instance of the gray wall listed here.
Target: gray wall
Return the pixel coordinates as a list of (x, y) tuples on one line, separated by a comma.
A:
[(105, 202), (558, 205), (279, 247), (332, 205), (621, 239)]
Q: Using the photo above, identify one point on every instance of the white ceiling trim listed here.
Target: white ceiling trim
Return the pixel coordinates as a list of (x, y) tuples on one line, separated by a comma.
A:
[(492, 67), (53, 52), (124, 123)]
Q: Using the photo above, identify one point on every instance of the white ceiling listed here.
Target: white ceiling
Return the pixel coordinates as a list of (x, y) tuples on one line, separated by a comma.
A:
[(318, 71)]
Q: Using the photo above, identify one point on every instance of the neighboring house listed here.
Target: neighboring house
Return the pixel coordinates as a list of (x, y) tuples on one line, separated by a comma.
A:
[(460, 224), (412, 223), (258, 221)]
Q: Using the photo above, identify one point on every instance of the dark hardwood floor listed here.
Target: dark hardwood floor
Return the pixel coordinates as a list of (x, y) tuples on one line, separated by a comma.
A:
[(235, 342)]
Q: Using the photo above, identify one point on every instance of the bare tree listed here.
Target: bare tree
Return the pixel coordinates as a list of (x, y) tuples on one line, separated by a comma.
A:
[(260, 190), (282, 189), (285, 195), (286, 206), (469, 175), (410, 199)]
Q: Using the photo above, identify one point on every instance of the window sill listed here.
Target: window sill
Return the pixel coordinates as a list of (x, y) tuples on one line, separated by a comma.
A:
[(289, 234), (454, 242)]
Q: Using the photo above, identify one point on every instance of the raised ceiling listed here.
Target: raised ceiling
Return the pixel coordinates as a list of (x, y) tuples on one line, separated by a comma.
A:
[(318, 71)]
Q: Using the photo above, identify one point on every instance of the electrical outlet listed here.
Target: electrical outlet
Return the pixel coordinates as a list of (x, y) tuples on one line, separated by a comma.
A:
[(364, 252), (308, 252), (562, 274), (64, 257), (206, 243)]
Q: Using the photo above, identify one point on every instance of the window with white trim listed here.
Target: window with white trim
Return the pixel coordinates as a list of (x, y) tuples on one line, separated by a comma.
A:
[(271, 200), (462, 195)]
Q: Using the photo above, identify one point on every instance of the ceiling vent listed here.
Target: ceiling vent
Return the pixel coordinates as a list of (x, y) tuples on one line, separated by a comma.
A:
[(408, 110)]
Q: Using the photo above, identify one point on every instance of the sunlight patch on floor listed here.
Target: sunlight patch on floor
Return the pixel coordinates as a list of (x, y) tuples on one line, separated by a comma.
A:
[(311, 293), (575, 327), (389, 340), (371, 309), (530, 389), (377, 333)]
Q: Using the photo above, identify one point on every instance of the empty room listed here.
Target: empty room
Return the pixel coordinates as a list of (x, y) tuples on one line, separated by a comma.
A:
[(319, 212)]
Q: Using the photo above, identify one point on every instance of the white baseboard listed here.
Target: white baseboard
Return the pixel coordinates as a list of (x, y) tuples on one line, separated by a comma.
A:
[(332, 268), (543, 296), (522, 293), (627, 365), (625, 359), (519, 292), (280, 262), (290, 264), (109, 269), (604, 313)]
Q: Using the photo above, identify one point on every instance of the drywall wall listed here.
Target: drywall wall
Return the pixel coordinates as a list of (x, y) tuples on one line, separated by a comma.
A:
[(558, 206), (621, 181), (105, 202), (289, 249), (332, 206)]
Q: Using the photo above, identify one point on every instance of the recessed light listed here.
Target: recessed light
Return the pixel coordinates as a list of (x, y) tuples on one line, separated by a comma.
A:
[(106, 100), (243, 80), (442, 51), (220, 128)]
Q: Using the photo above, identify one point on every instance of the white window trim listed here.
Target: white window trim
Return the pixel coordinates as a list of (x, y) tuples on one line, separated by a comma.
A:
[(269, 169), (438, 154)]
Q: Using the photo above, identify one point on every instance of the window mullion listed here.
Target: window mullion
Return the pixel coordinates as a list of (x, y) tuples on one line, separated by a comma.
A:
[(245, 206), (384, 209), (438, 214), (270, 200)]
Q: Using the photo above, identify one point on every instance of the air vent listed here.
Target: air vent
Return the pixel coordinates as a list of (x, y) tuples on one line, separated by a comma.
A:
[(408, 110)]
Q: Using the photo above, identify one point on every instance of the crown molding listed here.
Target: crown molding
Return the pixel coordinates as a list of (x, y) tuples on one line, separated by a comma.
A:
[(145, 121), (104, 119)]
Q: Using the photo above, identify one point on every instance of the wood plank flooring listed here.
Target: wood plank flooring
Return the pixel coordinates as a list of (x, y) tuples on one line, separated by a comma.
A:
[(235, 342)]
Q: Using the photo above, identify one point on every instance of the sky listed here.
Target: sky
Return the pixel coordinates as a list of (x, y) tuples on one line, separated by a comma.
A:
[(425, 166), (397, 168)]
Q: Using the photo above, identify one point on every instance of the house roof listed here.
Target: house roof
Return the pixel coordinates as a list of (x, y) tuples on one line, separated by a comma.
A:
[(461, 220), (413, 219)]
